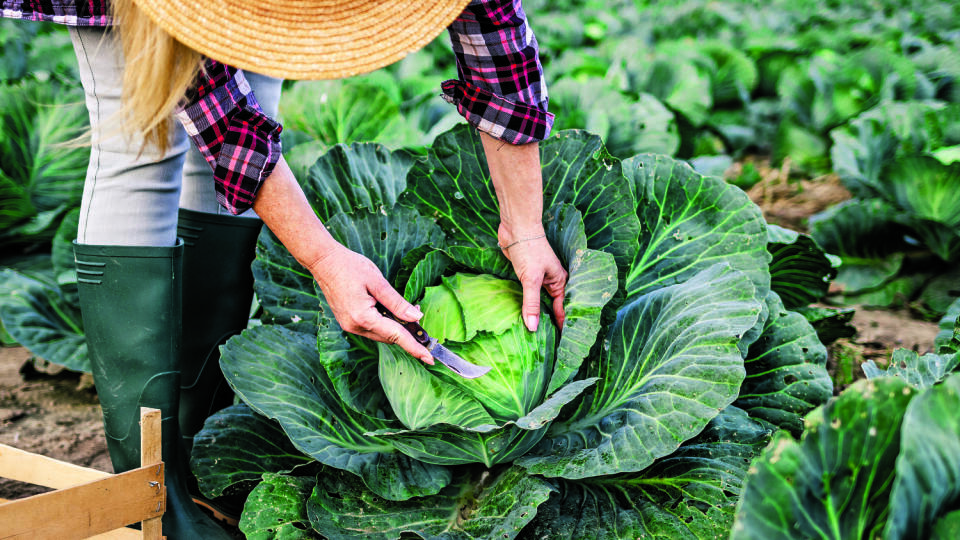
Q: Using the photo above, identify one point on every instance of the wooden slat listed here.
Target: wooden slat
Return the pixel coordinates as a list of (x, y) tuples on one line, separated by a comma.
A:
[(151, 451), (29, 468), (88, 509), (122, 533)]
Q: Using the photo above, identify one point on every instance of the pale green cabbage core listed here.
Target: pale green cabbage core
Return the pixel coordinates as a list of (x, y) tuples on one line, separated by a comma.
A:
[(478, 318)]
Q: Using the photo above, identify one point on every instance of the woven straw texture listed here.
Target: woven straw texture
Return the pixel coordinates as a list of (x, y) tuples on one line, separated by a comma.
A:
[(303, 39)]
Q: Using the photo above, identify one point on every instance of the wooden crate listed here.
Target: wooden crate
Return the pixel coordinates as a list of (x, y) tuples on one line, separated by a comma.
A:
[(86, 503)]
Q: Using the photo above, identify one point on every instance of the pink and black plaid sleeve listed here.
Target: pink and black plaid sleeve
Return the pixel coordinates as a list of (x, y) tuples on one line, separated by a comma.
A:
[(69, 12), (501, 89), (241, 143)]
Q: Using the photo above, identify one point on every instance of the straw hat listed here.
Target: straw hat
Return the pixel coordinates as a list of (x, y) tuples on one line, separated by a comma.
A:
[(304, 39)]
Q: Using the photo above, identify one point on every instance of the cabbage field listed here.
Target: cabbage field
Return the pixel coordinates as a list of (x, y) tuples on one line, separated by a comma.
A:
[(692, 391)]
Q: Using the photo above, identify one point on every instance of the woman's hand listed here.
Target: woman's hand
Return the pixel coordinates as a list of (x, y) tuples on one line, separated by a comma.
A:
[(515, 172), (352, 285), (536, 266), (351, 282)]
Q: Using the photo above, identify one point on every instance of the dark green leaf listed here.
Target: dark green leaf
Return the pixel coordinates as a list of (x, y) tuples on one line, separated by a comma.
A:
[(835, 483), (277, 372), (478, 505), (277, 509), (689, 223), (235, 447), (786, 370), (669, 364)]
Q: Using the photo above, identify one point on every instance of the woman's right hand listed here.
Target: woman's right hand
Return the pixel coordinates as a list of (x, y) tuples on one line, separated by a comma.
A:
[(353, 285)]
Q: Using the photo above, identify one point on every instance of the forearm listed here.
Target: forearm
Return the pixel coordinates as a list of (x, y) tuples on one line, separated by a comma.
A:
[(284, 209), (518, 182)]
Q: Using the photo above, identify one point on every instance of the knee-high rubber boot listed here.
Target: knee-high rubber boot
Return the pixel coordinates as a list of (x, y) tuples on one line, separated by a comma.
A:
[(217, 293), (130, 301)]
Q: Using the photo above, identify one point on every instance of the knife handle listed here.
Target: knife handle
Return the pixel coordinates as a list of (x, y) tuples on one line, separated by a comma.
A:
[(415, 329)]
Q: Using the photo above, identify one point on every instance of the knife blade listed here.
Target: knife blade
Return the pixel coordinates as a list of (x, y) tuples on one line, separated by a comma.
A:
[(442, 354)]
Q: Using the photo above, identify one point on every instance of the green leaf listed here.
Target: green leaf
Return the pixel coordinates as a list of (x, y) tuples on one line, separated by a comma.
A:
[(948, 339), (688, 494), (479, 505), (836, 481), (689, 223), (277, 510), (236, 447), (386, 237), (831, 324), (339, 111), (359, 176), (786, 370), (445, 444), (277, 372), (947, 527), (800, 272), (927, 482), (36, 316), (868, 239), (669, 364), (627, 125), (350, 362), (284, 288), (921, 372), (453, 186), (924, 187), (420, 399), (591, 284)]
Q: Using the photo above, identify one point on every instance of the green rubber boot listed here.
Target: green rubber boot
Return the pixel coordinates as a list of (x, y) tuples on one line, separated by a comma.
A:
[(217, 293), (130, 301)]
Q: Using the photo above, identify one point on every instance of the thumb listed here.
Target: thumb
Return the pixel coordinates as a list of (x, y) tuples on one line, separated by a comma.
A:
[(531, 303)]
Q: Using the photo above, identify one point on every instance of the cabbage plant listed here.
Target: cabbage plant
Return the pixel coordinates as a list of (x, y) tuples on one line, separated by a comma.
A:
[(638, 417)]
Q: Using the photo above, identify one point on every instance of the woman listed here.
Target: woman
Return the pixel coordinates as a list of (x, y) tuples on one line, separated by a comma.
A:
[(193, 60)]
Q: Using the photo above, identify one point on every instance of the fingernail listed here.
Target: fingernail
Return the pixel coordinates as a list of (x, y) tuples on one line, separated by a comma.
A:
[(532, 321), (414, 313), (428, 360)]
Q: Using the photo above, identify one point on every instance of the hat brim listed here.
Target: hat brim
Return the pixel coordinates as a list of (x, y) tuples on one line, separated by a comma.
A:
[(303, 39)]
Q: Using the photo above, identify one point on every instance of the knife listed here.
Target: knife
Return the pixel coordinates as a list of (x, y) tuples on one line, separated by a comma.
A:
[(444, 355)]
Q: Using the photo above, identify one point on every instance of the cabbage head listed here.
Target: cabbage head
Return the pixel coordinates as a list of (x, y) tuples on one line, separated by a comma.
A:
[(637, 418)]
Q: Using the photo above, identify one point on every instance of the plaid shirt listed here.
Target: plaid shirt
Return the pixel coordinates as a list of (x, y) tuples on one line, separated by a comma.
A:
[(500, 91)]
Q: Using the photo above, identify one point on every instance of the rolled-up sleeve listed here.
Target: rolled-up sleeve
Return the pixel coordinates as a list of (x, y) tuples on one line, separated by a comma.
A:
[(500, 90), (241, 143)]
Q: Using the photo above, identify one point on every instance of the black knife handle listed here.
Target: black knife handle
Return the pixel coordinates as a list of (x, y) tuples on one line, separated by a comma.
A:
[(415, 329)]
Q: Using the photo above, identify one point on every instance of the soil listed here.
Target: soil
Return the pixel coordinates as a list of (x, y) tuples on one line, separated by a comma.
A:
[(57, 414)]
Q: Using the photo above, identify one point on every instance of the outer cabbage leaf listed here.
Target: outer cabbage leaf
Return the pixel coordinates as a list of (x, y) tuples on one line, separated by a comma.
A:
[(445, 444), (927, 480), (453, 186), (278, 372), (921, 372), (627, 125), (45, 178), (670, 363), (492, 504), (361, 175), (284, 288), (236, 447), (277, 510), (689, 223), (868, 239), (591, 284), (830, 324), (689, 494), (36, 316), (786, 370), (800, 271), (948, 339), (836, 481)]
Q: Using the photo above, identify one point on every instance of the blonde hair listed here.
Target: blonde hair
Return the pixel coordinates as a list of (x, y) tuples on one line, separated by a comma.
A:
[(157, 72)]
